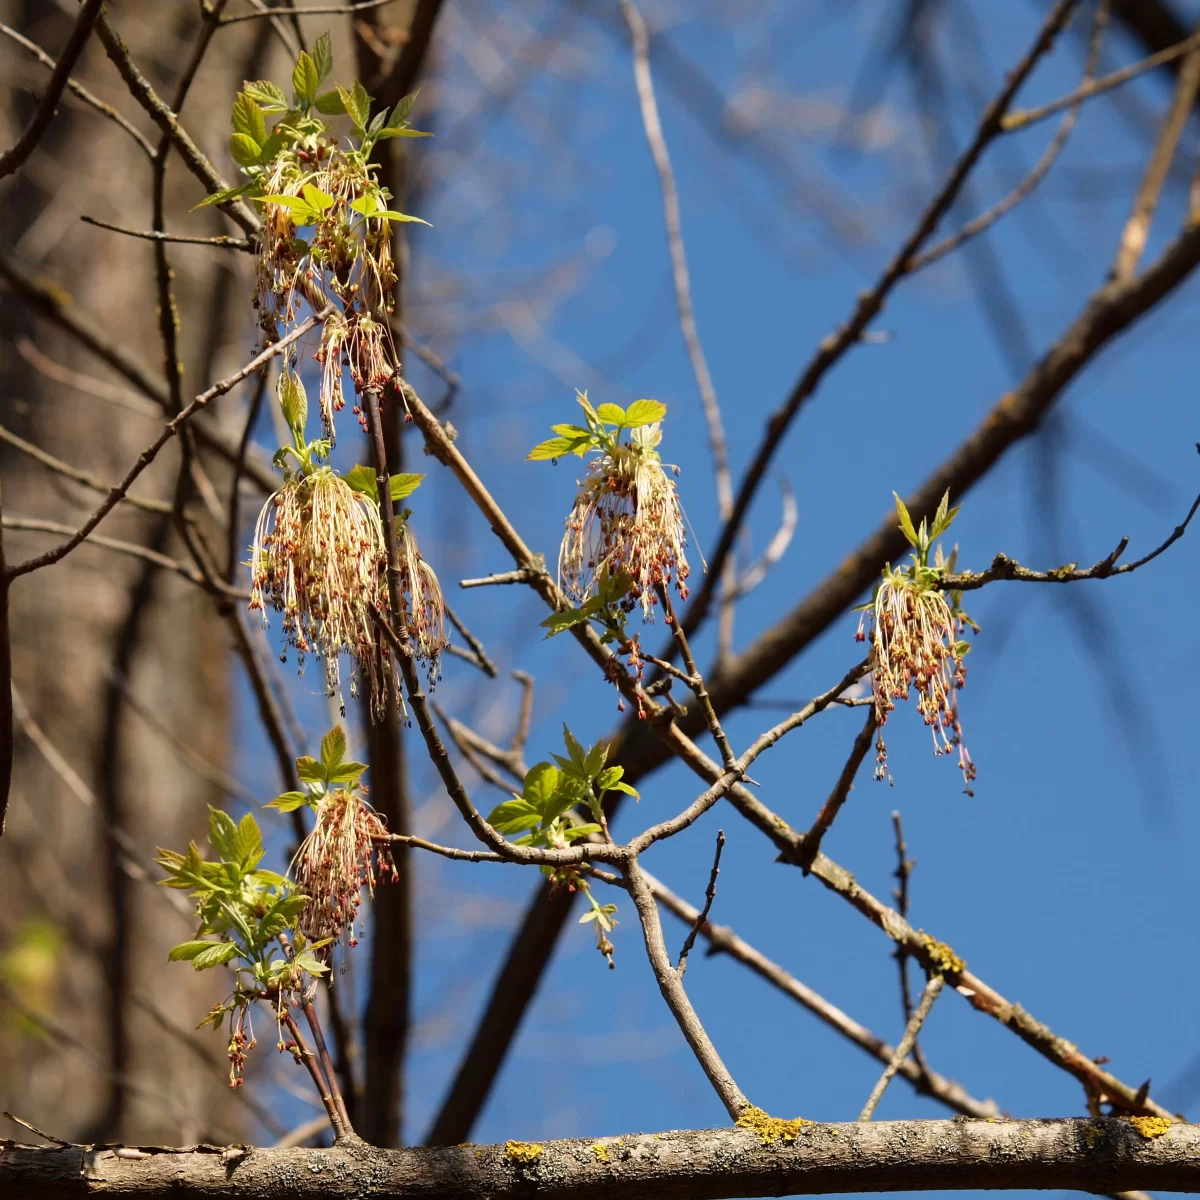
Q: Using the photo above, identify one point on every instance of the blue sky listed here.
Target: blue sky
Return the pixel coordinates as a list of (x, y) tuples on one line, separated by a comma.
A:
[(1066, 881)]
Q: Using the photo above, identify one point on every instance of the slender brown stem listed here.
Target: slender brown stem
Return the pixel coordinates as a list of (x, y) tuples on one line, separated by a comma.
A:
[(696, 680), (832, 806), (932, 990), (309, 1059), (671, 986), (710, 894), (310, 1015)]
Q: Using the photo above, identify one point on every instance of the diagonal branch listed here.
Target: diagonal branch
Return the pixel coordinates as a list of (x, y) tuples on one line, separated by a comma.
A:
[(1098, 1155), (12, 159)]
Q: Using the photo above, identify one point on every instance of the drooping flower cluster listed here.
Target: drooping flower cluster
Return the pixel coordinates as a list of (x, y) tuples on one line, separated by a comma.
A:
[(320, 553), (626, 519), (318, 558), (337, 860), (916, 643)]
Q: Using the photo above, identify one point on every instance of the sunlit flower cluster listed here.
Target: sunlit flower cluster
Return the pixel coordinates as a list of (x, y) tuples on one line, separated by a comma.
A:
[(318, 558), (336, 861), (915, 644), (626, 520)]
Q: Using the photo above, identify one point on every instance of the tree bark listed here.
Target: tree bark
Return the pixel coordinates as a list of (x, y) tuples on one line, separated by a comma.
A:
[(1100, 1155)]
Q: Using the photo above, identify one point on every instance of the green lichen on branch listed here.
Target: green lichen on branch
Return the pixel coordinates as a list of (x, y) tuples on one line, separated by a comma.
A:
[(770, 1129), (522, 1152), (942, 958)]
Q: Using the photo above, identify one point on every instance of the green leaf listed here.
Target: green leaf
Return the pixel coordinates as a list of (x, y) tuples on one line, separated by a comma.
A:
[(186, 951), (574, 749), (377, 123), (247, 842), (292, 202), (293, 401), (367, 204), (357, 104), (961, 649), (322, 56), (362, 479), (309, 770), (568, 792), (345, 771), (577, 833), (906, 525), (221, 832), (387, 132), (226, 194), (310, 963), (557, 622), (596, 757), (289, 801), (624, 787), (267, 94), (514, 816), (306, 78), (271, 148), (644, 412), (317, 200), (403, 110), (608, 778), (215, 955), (388, 214), (244, 149), (540, 782), (330, 103), (248, 119), (401, 486), (553, 448), (333, 748), (612, 414), (944, 517)]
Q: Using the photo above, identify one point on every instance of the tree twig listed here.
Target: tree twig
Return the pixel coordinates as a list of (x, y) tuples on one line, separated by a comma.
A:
[(710, 894), (932, 990), (12, 159)]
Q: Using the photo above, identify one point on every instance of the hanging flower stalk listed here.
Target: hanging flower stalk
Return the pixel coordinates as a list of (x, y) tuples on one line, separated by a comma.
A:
[(916, 642), (626, 520)]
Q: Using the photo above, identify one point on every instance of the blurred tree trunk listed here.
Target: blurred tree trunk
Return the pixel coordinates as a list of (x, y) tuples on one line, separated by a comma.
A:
[(82, 945)]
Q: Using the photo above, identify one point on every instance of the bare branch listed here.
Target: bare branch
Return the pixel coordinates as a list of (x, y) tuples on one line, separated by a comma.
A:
[(710, 894), (1098, 1155), (1137, 228), (348, 9), (932, 990), (12, 159), (153, 235), (150, 453)]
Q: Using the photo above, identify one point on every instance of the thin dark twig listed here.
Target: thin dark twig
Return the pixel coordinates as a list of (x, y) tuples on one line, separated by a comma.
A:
[(869, 305), (317, 10), (154, 235), (484, 663), (932, 990), (239, 466), (1022, 117), (79, 90), (309, 1060), (710, 894), (12, 159), (150, 453), (903, 872), (1005, 568), (1041, 168), (832, 806), (518, 576)]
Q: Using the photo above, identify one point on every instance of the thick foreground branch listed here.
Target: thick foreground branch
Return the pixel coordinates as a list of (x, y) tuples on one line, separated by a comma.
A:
[(776, 1158)]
